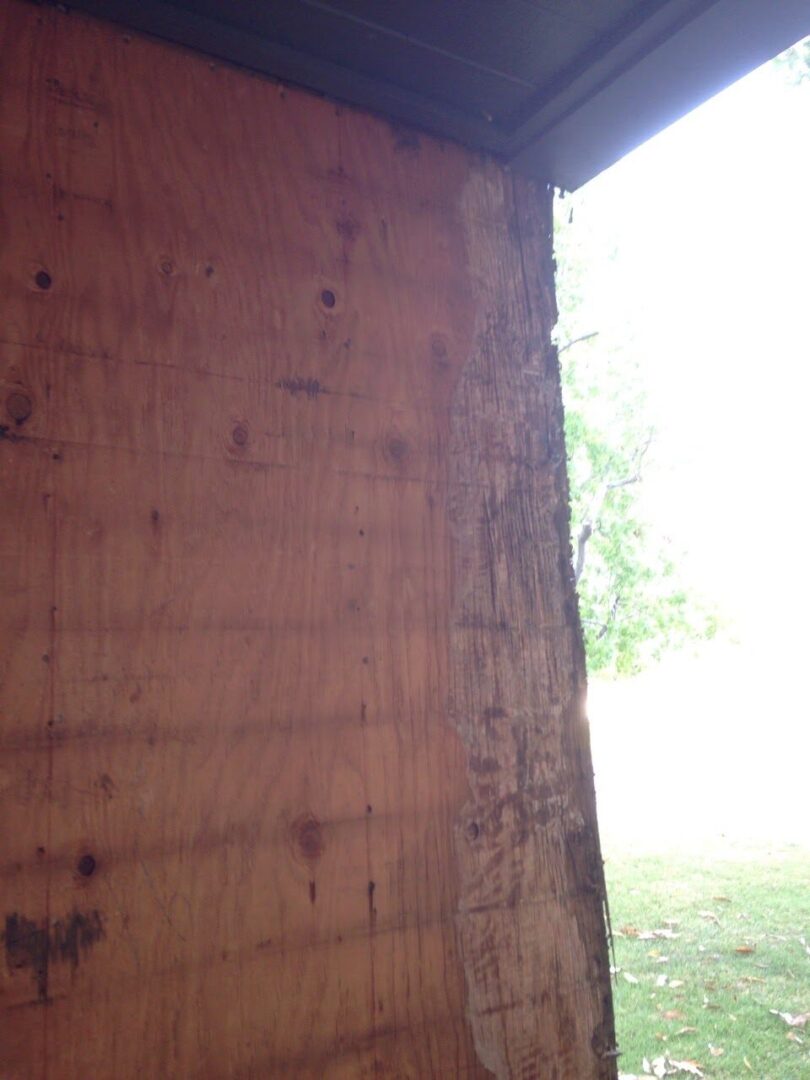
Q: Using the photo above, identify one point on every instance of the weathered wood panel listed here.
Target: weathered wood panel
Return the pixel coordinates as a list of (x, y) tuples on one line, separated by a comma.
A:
[(295, 777)]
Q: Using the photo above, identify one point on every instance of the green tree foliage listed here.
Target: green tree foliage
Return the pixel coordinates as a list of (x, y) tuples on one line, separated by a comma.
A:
[(796, 61), (632, 605)]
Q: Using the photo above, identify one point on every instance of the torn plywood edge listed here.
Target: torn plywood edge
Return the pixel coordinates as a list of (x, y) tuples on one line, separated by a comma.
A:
[(532, 888)]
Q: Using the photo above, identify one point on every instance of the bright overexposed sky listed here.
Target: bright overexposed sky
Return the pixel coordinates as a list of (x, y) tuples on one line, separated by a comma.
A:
[(711, 221), (711, 281)]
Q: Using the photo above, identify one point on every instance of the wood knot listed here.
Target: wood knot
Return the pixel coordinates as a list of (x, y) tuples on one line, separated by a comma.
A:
[(43, 280), (240, 435), (308, 837), (328, 299), (395, 449), (19, 406), (86, 865)]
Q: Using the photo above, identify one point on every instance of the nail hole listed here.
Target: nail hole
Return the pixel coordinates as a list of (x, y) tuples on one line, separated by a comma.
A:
[(473, 831), (240, 435), (87, 865), (328, 298), (42, 279)]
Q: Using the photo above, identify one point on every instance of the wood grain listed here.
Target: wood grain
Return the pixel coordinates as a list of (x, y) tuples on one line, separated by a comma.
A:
[(295, 777)]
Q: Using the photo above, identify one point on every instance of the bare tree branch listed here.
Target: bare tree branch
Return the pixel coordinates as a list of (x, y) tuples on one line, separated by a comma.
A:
[(575, 341), (586, 532)]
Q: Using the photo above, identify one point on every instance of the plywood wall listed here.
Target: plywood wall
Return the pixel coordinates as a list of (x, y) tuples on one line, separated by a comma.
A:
[(295, 779)]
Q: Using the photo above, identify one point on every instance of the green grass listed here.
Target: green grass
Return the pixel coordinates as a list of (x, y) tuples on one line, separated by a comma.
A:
[(717, 900)]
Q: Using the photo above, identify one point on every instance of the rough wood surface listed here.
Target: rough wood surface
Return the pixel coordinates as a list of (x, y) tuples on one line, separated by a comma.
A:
[(295, 778)]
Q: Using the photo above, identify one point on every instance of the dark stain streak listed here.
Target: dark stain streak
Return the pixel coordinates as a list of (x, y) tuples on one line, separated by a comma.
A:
[(312, 892), (68, 95), (62, 193), (33, 945), (372, 911), (296, 385), (495, 712), (483, 765)]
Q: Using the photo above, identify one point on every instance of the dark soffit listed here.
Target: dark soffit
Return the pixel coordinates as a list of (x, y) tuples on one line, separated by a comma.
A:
[(560, 88)]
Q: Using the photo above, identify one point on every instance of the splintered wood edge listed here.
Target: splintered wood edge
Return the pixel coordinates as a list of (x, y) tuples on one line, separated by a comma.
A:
[(531, 883)]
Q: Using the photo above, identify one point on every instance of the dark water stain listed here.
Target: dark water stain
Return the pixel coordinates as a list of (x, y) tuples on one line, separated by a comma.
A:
[(296, 385), (35, 945)]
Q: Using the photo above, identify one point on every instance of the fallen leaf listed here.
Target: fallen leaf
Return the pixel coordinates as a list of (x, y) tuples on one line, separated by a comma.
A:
[(747, 1064), (745, 950), (795, 1037), (675, 983), (691, 1067), (792, 1021), (716, 1051), (661, 980), (709, 916), (630, 978), (686, 1031), (722, 899), (673, 1014)]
